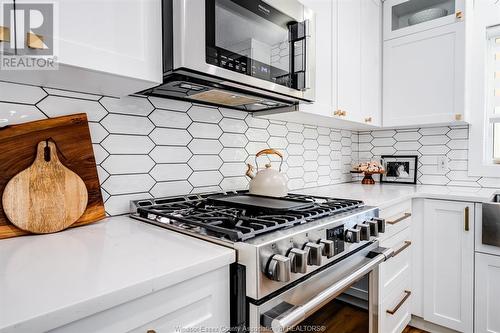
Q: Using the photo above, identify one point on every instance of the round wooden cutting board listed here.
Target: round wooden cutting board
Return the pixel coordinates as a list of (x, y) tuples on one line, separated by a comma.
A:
[(46, 197)]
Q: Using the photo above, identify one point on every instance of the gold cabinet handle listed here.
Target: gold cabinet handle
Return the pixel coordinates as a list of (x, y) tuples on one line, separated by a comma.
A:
[(4, 34), (34, 41), (406, 245), (344, 113), (337, 113), (466, 218), (399, 219), (150, 331), (459, 15), (368, 120), (407, 295)]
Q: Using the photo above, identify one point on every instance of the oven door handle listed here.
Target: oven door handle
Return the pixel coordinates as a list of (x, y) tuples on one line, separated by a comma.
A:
[(294, 316)]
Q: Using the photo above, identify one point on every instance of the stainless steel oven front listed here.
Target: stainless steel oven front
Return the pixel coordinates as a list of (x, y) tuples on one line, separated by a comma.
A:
[(265, 44), (316, 303)]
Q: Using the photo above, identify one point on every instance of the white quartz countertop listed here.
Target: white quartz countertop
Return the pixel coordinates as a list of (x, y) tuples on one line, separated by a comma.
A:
[(384, 195), (49, 280)]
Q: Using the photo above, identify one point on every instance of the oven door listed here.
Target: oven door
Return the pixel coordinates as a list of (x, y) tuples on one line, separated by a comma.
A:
[(323, 302), (263, 44)]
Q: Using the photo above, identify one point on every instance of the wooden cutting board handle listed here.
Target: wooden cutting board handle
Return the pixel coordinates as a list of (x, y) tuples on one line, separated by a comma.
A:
[(46, 197)]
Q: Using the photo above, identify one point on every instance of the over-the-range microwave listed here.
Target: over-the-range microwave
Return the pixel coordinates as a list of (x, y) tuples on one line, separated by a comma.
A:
[(251, 55)]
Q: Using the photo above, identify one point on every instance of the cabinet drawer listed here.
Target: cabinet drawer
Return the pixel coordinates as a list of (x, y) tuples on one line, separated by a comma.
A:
[(199, 302), (395, 311), (397, 218), (396, 270)]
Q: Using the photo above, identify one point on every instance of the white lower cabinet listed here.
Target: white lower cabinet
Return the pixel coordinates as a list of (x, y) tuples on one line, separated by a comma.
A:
[(395, 285), (487, 299), (201, 302), (448, 264)]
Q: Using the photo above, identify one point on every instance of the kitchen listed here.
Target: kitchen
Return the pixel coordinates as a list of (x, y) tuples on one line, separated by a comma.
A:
[(230, 165)]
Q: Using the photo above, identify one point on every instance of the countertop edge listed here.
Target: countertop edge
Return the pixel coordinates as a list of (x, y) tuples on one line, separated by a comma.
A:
[(77, 311)]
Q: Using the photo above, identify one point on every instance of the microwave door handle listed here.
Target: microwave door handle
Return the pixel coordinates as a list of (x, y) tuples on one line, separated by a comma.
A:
[(308, 54), (294, 316)]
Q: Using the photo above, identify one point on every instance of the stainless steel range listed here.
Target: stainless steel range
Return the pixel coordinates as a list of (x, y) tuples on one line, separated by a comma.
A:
[(295, 255)]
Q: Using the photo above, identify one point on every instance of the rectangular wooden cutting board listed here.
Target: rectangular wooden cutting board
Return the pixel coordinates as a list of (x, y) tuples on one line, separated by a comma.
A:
[(71, 133)]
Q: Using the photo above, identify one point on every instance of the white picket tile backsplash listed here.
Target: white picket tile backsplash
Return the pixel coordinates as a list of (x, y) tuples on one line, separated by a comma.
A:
[(148, 147), (431, 145), (18, 113), (17, 93)]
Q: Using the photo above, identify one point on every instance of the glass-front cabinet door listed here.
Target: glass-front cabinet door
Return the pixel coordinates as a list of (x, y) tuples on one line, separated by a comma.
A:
[(258, 40), (404, 17)]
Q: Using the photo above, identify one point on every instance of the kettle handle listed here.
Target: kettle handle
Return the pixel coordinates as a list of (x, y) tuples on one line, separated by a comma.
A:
[(269, 151)]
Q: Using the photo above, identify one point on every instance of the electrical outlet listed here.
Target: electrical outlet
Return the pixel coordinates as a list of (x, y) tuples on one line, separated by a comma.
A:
[(442, 164)]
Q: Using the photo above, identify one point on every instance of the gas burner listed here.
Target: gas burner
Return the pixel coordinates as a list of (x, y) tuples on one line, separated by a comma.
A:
[(207, 214)]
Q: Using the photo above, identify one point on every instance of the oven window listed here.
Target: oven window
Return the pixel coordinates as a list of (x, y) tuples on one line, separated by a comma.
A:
[(348, 313), (253, 38), (337, 317)]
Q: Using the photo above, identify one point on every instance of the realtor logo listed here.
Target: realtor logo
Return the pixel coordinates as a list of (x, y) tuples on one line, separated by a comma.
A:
[(32, 45)]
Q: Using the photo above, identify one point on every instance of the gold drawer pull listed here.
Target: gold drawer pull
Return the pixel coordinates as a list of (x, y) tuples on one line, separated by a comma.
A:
[(466, 218), (402, 248), (4, 34), (368, 120), (459, 15), (150, 331), (34, 41), (337, 113), (393, 311), (402, 218), (343, 113)]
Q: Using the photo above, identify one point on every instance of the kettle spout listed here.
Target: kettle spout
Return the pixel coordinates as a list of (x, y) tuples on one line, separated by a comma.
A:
[(250, 173)]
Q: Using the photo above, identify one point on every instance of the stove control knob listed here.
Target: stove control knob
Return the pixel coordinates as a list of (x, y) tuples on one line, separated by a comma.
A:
[(278, 268), (365, 231), (328, 247), (373, 225), (298, 260), (313, 253), (352, 236), (380, 224)]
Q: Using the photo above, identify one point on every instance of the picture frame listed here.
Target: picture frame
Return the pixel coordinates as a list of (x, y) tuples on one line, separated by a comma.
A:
[(399, 169)]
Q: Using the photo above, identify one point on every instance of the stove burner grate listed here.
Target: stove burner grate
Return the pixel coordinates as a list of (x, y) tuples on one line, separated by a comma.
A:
[(233, 223)]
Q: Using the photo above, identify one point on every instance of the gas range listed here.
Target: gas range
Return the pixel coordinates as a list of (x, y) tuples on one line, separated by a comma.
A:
[(287, 248), (277, 240)]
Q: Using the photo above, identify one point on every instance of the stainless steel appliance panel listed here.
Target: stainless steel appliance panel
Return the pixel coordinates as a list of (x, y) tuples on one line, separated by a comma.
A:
[(285, 311), (255, 253), (491, 222), (189, 46)]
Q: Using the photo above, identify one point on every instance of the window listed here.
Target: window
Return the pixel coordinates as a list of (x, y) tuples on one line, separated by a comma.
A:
[(493, 94), (483, 90)]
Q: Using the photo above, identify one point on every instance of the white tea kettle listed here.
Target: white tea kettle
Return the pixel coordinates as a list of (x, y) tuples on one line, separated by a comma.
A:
[(268, 182)]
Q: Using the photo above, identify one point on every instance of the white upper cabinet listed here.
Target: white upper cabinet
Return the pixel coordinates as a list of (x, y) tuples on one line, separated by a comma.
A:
[(448, 265), (371, 62), (424, 63), (348, 66), (405, 17), (359, 61), (349, 59), (104, 47), (424, 77)]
